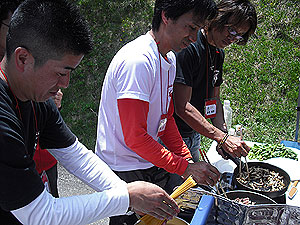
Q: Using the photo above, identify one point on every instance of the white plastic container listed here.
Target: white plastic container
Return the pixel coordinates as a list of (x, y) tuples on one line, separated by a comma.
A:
[(227, 114)]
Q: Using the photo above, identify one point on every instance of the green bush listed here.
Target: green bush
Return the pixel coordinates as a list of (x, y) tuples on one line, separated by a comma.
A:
[(261, 79)]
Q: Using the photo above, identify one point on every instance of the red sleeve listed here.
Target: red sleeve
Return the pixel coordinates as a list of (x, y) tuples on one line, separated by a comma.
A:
[(133, 116), (172, 138)]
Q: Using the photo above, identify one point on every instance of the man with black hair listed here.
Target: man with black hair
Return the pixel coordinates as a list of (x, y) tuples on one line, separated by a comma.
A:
[(7, 7), (199, 77), (136, 102), (46, 41)]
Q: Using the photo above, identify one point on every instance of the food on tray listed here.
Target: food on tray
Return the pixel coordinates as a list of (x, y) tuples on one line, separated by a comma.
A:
[(267, 151), (245, 201), (261, 179)]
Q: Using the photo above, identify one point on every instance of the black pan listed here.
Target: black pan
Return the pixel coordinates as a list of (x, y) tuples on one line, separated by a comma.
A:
[(270, 194), (259, 199)]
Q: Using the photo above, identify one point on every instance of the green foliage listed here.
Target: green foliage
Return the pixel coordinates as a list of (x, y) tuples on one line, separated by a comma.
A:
[(261, 79)]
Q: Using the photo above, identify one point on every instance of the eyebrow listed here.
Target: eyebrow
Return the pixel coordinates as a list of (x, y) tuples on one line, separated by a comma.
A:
[(69, 68)]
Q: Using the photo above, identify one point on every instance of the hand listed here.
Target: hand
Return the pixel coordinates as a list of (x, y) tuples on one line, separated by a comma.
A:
[(150, 199), (57, 98), (203, 173), (236, 147)]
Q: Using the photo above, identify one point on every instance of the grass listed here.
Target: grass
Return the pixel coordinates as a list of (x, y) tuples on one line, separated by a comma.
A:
[(261, 79)]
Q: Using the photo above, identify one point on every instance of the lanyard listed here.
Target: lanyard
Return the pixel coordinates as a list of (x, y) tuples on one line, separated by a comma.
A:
[(207, 66), (161, 88), (37, 133)]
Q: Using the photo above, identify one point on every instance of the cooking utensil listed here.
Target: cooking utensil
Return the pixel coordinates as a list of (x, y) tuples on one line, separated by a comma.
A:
[(205, 158), (236, 160), (271, 194), (293, 191), (253, 196)]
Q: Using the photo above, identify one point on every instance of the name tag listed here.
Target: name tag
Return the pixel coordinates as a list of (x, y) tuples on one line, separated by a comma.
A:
[(162, 125), (210, 108)]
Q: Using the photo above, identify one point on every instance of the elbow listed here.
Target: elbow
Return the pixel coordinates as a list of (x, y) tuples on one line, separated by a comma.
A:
[(181, 111)]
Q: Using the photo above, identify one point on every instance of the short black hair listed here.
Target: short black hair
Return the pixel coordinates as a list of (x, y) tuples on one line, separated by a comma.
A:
[(7, 6), (202, 10), (235, 13), (48, 29)]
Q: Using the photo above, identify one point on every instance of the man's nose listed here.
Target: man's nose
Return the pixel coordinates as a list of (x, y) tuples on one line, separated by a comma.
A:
[(64, 81)]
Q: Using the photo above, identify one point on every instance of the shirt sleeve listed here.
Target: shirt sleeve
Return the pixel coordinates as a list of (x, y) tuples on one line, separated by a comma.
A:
[(75, 210), (133, 116), (172, 138), (83, 209), (88, 167)]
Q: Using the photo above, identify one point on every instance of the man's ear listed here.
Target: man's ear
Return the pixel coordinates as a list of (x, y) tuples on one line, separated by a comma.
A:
[(23, 59), (164, 19)]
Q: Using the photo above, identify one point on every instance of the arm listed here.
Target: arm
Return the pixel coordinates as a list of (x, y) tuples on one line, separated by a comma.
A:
[(133, 116), (172, 138), (186, 111), (219, 121), (85, 209)]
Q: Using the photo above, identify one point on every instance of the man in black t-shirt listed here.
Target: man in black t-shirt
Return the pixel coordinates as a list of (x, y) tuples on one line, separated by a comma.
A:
[(47, 39), (199, 76)]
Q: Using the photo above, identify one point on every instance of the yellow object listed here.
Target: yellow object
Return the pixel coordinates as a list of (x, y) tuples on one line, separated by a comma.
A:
[(174, 221), (188, 183), (293, 190)]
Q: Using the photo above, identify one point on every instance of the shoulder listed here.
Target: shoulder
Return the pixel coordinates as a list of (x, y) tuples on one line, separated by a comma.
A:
[(140, 53)]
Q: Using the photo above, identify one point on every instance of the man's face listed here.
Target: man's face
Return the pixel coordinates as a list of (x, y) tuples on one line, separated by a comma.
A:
[(182, 32), (3, 32), (223, 38), (45, 81)]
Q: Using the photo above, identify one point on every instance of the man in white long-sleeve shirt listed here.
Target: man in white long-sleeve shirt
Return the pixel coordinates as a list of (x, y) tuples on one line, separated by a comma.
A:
[(46, 40)]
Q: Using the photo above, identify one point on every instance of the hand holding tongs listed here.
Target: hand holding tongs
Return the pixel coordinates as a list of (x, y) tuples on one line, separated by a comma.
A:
[(237, 161), (205, 159)]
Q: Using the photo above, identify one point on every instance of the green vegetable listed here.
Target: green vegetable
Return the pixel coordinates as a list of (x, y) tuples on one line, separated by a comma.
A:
[(267, 151)]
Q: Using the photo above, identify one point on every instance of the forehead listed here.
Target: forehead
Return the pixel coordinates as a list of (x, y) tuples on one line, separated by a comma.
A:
[(68, 62), (190, 18), (240, 27)]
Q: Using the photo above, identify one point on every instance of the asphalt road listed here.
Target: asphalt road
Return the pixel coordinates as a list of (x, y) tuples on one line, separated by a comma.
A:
[(69, 185)]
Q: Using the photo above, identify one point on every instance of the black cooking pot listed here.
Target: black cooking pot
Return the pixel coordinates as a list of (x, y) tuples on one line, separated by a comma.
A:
[(259, 199), (270, 194)]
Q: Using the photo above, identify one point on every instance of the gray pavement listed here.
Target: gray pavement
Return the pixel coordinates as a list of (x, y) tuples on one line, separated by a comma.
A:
[(69, 185)]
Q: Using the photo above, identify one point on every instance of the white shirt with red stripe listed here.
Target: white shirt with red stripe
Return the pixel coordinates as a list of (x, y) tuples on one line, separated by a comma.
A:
[(134, 73)]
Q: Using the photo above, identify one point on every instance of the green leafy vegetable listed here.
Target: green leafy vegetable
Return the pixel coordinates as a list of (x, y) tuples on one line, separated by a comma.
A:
[(267, 151)]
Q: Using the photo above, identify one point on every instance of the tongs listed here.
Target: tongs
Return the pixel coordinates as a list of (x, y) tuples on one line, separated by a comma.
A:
[(243, 166), (236, 160)]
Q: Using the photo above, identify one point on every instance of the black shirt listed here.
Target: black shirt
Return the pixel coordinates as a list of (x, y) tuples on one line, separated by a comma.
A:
[(20, 183), (192, 69)]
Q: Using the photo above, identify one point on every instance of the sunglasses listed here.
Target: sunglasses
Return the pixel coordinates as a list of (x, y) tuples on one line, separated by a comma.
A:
[(235, 34)]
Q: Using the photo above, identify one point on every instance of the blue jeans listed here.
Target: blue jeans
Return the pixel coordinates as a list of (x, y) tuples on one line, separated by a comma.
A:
[(193, 143)]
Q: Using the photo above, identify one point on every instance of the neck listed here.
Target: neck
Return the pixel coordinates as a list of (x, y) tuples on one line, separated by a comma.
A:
[(161, 42), (13, 85), (208, 36)]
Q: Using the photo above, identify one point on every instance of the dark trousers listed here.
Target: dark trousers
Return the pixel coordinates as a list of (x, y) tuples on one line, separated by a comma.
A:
[(155, 175), (52, 179)]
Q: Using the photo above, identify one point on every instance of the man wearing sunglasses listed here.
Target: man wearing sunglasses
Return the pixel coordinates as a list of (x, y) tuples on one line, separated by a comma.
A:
[(199, 76)]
